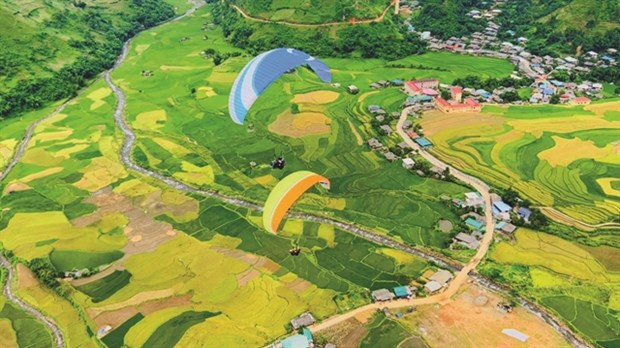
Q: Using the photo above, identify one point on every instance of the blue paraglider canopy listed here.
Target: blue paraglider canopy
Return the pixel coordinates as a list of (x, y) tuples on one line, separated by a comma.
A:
[(261, 71)]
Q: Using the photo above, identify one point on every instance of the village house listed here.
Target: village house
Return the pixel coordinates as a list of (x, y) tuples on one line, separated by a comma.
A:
[(423, 142), (421, 87), (390, 156), (505, 227), (386, 129), (403, 145), (403, 292), (306, 319), (374, 144), (382, 295), (470, 105), (438, 281), (474, 224), (581, 101), (473, 199), (501, 210), (408, 163), (524, 213), (467, 240), (353, 89)]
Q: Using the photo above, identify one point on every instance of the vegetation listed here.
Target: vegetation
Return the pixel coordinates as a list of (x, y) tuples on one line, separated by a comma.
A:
[(384, 332), (67, 260), (117, 336), (29, 331), (447, 18), (105, 287), (169, 334), (551, 155), (317, 11), (100, 36), (386, 39), (564, 277), (563, 26)]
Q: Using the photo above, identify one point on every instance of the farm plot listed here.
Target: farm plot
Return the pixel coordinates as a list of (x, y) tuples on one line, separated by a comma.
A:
[(567, 278), (557, 156)]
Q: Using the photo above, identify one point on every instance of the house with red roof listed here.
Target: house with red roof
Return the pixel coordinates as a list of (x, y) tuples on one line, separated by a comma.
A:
[(419, 87), (581, 101), (470, 105)]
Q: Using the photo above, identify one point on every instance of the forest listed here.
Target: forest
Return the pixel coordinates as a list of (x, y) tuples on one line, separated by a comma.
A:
[(97, 56), (386, 39)]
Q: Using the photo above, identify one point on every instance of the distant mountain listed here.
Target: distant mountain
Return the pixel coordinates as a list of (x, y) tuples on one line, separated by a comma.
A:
[(50, 48), (312, 11)]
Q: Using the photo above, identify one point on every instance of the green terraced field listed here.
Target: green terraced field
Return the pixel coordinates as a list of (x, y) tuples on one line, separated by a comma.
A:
[(29, 332), (564, 157), (575, 281), (105, 287), (67, 260), (171, 331)]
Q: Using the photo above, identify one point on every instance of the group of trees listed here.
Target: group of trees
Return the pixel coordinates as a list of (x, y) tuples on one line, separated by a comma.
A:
[(477, 82), (549, 33), (96, 56), (387, 39), (447, 18)]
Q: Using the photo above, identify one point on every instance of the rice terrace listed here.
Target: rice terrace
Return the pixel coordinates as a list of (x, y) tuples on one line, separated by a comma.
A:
[(366, 173)]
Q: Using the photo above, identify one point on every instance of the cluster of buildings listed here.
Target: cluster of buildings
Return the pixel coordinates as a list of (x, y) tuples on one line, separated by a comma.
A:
[(383, 295), (486, 43), (434, 283), (502, 215), (423, 90), (303, 340), (543, 90)]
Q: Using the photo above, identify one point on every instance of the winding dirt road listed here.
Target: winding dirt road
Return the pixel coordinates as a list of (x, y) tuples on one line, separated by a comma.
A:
[(317, 25), (463, 274)]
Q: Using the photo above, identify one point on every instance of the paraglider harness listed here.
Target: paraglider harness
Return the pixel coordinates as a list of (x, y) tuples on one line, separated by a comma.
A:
[(278, 163)]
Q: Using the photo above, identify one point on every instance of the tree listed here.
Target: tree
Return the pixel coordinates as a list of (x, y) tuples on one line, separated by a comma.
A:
[(510, 96), (294, 108), (538, 220), (445, 94), (555, 99)]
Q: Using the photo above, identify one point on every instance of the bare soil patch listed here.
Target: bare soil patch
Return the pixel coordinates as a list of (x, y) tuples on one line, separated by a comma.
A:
[(301, 125)]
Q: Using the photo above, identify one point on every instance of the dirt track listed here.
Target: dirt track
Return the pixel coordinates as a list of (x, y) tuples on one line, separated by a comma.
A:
[(308, 25)]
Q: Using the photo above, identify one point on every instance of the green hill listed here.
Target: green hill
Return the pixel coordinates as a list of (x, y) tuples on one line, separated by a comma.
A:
[(51, 48), (312, 11), (564, 25)]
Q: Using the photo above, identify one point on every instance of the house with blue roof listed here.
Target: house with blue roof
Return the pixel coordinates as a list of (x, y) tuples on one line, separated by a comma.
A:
[(372, 108), (557, 83), (524, 213), (548, 91), (398, 82), (608, 59), (474, 224), (296, 341), (423, 142), (501, 210), (403, 292), (483, 93)]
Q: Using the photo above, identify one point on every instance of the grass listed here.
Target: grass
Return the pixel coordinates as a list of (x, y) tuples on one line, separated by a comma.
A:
[(305, 11), (569, 279), (116, 337), (67, 260), (105, 287), (29, 332), (553, 155), (384, 332), (171, 331)]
